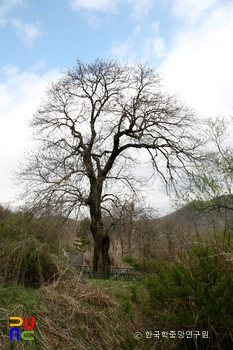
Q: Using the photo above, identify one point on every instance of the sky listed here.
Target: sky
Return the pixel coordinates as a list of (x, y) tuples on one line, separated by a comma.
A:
[(188, 41)]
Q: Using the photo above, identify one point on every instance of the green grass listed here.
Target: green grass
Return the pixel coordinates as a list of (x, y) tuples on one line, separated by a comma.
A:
[(21, 302), (97, 315)]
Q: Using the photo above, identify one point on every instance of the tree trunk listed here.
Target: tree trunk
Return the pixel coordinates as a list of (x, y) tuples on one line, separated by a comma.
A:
[(101, 259)]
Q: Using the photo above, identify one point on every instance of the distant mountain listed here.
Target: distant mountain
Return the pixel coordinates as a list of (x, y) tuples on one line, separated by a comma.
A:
[(202, 217)]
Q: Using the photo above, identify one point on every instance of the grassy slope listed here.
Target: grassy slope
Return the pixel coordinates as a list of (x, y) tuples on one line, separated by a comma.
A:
[(75, 314)]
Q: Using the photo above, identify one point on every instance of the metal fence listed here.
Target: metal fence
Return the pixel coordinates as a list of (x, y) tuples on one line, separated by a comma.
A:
[(116, 274)]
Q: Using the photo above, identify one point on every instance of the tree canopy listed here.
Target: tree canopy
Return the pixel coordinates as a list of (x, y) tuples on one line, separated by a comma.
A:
[(91, 127)]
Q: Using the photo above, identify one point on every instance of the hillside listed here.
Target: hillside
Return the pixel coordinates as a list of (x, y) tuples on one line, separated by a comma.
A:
[(201, 217), (70, 311), (179, 292)]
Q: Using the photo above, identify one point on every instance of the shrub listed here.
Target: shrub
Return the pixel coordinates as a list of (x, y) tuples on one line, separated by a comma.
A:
[(25, 261), (129, 259), (143, 264), (194, 293)]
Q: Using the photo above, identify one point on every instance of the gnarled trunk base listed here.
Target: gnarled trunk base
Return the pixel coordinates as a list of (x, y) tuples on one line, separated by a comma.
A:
[(101, 259)]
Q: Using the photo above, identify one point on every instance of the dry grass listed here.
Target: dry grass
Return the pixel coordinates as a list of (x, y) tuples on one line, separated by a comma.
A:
[(70, 314), (26, 262), (76, 304)]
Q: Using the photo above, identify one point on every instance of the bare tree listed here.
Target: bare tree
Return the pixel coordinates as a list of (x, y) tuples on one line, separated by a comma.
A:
[(210, 187), (88, 122), (127, 218)]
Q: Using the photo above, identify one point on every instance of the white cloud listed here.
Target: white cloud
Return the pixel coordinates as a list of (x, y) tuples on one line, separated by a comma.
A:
[(199, 65), (21, 92), (27, 32), (124, 50), (159, 47), (192, 10), (96, 5), (139, 46), (154, 44), (141, 8), (5, 7), (92, 8)]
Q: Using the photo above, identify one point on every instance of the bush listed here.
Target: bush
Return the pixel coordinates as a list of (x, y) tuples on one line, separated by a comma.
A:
[(194, 293), (129, 259), (143, 264), (25, 261)]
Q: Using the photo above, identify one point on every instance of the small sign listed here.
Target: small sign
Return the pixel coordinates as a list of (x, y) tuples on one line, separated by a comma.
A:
[(76, 259)]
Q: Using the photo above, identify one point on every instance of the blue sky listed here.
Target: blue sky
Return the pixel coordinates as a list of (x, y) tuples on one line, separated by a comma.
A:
[(189, 41)]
